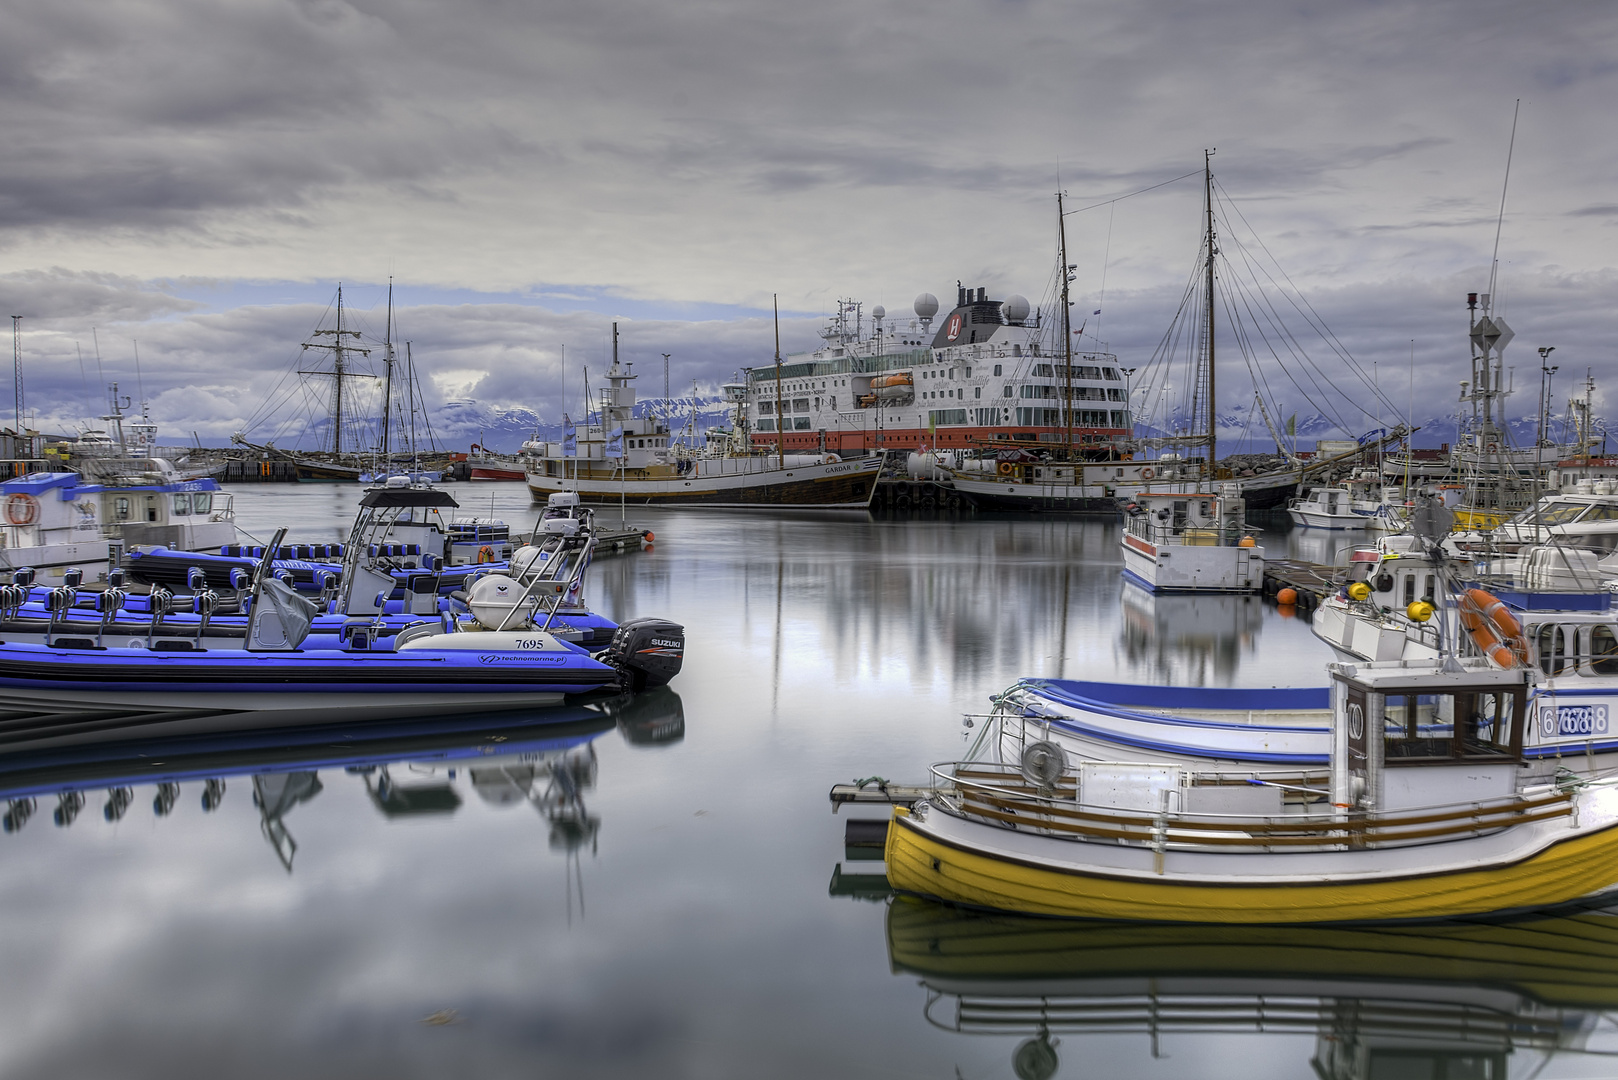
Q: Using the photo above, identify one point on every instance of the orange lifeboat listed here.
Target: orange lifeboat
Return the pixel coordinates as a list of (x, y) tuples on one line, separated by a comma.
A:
[(893, 379)]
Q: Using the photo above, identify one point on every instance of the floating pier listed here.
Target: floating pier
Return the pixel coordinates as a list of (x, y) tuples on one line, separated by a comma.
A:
[(618, 541), (1312, 582)]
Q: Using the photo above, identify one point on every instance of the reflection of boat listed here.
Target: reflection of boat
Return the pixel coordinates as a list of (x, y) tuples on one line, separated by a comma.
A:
[(1442, 1000), (655, 718), (1426, 811), (1204, 632), (408, 768)]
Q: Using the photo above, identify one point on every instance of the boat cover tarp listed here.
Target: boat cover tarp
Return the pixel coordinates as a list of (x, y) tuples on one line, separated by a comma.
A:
[(392, 497), (296, 613)]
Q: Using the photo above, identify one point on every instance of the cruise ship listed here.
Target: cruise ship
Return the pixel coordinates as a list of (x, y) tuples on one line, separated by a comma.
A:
[(987, 376)]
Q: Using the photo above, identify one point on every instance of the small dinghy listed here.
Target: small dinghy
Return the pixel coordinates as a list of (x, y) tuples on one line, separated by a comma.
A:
[(1424, 811), (497, 658)]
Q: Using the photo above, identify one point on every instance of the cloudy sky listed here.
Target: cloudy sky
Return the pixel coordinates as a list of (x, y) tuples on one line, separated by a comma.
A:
[(198, 176)]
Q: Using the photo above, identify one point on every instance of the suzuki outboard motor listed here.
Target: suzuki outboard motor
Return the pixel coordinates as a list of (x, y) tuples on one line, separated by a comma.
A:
[(648, 651)]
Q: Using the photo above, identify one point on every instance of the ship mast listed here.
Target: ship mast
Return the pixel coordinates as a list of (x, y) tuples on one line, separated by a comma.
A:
[(387, 380), (1213, 415), (339, 350), (1067, 326), (780, 432)]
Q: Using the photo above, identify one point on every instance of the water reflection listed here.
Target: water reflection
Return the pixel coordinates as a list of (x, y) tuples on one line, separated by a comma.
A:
[(545, 761), (1451, 1001), (1190, 640)]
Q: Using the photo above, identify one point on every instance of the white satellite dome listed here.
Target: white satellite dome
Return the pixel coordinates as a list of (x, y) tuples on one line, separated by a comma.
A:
[(1015, 307), (879, 312), (926, 306)]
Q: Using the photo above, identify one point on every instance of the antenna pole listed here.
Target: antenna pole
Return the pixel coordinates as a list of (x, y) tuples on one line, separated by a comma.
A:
[(1494, 261), (780, 418)]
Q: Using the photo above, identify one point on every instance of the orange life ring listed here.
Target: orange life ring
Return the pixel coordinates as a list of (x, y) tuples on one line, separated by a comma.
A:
[(1493, 628), (22, 509), (1148, 473), (1007, 468), (486, 554)]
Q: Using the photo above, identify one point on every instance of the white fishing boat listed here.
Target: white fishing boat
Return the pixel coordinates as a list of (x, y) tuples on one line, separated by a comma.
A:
[(1424, 811), (628, 459), (1195, 542)]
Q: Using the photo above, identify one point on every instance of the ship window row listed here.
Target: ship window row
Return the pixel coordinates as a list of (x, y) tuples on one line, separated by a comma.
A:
[(1576, 649)]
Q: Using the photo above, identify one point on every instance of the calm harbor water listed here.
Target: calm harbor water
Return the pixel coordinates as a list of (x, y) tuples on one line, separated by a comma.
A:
[(644, 892)]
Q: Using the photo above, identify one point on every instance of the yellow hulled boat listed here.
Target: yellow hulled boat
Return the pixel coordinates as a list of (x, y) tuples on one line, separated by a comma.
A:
[(1422, 815)]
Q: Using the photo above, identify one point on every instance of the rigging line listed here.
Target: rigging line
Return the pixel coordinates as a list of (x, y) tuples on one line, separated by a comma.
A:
[(1291, 343), (1311, 316), (1106, 257), (1243, 296), (1132, 194), (1295, 346), (1494, 262), (1320, 398)]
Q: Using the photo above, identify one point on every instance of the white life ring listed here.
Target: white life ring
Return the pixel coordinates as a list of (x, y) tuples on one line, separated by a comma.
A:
[(1148, 473), (22, 509)]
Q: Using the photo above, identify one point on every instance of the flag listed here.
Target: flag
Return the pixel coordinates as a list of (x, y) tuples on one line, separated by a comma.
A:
[(1098, 311), (570, 438), (1292, 424), (615, 445)]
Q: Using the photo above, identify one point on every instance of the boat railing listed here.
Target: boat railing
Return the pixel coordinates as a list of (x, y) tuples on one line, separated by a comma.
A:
[(1002, 795)]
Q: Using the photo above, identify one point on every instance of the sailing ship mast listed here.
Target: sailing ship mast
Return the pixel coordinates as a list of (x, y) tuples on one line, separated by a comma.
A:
[(339, 350), (387, 380), (1213, 415), (780, 420), (1067, 325)]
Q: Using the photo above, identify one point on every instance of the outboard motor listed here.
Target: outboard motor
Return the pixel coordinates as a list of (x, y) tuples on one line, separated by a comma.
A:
[(23, 575), (649, 652)]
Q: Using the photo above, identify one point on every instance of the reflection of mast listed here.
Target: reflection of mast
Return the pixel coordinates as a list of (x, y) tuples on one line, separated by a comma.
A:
[(276, 793), (339, 350)]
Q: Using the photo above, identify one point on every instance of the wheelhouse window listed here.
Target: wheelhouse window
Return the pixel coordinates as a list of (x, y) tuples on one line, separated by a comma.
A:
[(182, 504), (1603, 651), (1468, 725)]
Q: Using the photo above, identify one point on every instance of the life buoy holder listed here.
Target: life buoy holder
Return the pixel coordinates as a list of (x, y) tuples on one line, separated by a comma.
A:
[(1148, 473), (485, 554), (1493, 628), (1007, 468), (22, 509)]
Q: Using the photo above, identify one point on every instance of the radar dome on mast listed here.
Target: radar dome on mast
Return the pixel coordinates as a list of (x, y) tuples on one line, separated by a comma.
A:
[(1015, 308), (879, 312), (926, 306)]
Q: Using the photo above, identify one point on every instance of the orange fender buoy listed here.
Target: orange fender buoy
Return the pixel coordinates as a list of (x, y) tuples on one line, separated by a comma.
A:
[(1288, 596)]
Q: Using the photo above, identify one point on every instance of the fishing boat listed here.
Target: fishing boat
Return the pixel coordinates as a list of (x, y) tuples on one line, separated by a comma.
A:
[(1422, 812), (60, 522), (625, 459), (1192, 542), (483, 465), (1451, 999), (1357, 505)]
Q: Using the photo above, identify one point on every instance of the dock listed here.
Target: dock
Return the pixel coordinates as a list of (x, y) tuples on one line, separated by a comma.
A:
[(1313, 582), (877, 790), (618, 541)]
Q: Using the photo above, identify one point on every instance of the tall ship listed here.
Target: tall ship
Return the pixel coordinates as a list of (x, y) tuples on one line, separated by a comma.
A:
[(621, 457), (989, 375)]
